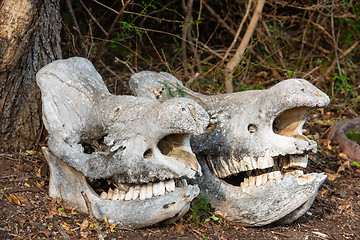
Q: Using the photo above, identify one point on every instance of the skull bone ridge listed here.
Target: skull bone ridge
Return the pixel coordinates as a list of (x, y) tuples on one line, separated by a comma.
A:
[(253, 154), (130, 155)]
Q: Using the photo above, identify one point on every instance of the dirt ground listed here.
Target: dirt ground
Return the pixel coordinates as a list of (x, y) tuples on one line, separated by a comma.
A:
[(27, 212)]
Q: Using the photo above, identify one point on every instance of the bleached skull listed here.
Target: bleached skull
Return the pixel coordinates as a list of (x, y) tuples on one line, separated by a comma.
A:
[(130, 155), (254, 153)]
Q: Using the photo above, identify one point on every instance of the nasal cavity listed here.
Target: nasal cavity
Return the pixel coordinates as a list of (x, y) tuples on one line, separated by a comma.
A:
[(178, 146), (172, 144), (290, 122)]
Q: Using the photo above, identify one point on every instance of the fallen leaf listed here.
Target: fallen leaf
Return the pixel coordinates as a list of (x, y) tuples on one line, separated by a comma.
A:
[(84, 234), (14, 199), (331, 177), (112, 227), (30, 152), (23, 201), (84, 225), (27, 185), (41, 184), (343, 155)]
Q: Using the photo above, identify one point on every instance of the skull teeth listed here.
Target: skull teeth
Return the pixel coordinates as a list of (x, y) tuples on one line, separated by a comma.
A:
[(224, 168), (143, 191), (257, 181)]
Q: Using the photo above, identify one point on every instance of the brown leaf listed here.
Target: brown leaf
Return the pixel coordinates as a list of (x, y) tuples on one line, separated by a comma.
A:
[(84, 225), (331, 177), (14, 199), (343, 155), (23, 201)]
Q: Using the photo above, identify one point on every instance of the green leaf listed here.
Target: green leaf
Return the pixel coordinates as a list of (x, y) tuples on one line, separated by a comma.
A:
[(355, 163)]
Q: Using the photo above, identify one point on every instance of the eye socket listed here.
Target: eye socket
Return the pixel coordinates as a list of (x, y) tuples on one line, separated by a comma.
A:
[(252, 128)]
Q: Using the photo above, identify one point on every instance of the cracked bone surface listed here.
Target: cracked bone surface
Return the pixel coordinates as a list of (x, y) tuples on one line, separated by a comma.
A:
[(130, 155), (253, 153)]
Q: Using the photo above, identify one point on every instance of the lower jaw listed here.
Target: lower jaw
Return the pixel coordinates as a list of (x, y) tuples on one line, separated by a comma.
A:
[(131, 214), (281, 201)]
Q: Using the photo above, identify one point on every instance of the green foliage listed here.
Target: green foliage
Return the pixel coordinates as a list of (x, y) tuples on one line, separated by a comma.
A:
[(199, 209), (343, 88), (171, 92), (355, 163), (353, 136), (214, 218)]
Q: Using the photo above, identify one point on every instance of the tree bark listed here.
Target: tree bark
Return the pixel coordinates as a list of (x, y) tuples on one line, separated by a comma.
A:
[(29, 39)]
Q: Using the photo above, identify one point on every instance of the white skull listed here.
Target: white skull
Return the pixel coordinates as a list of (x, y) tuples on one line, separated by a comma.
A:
[(130, 155), (253, 155)]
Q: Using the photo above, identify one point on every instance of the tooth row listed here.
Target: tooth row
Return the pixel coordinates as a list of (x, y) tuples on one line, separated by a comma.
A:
[(295, 161), (262, 179), (223, 168), (142, 192)]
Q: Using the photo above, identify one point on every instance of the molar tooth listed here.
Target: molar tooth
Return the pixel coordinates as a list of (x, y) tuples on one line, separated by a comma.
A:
[(116, 194), (254, 163), (136, 192), (271, 176), (252, 181), (129, 194), (121, 195), (277, 175), (149, 190), (244, 184), (265, 161), (156, 189), (264, 178), (225, 171), (110, 193), (170, 185), (258, 180), (298, 160), (161, 188), (123, 187), (143, 192), (103, 195), (248, 162), (232, 166), (242, 166)]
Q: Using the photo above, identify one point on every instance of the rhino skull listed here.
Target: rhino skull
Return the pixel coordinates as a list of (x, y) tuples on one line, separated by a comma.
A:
[(254, 153), (130, 155)]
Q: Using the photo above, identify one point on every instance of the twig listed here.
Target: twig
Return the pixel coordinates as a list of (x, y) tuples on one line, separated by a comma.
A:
[(223, 23), (334, 39), (107, 35), (125, 63), (187, 26), (311, 72), (346, 52), (93, 18), (238, 31), (91, 214), (114, 74), (157, 52), (76, 25), (327, 130), (234, 61), (62, 232), (196, 55)]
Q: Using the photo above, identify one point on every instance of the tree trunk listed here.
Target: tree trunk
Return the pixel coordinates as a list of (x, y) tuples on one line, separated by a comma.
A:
[(29, 39)]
